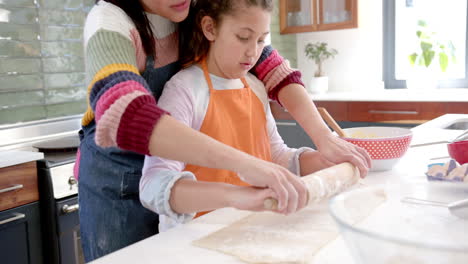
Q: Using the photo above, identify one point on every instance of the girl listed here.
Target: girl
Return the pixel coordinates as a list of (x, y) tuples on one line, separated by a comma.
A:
[(130, 52), (218, 97)]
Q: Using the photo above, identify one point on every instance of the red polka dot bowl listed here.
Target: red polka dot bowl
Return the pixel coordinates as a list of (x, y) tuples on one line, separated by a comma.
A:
[(385, 145)]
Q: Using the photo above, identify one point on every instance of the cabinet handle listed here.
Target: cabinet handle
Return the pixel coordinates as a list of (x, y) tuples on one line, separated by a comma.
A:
[(285, 124), (14, 218), (393, 112), (66, 209), (12, 188)]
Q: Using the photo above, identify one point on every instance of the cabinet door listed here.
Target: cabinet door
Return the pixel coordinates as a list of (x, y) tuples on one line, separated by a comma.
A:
[(337, 14), (293, 134), (20, 237), (317, 15), (18, 185), (297, 16)]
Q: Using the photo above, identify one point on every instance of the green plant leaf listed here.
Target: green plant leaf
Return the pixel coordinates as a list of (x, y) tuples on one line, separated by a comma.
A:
[(422, 23), (420, 61), (443, 60), (426, 46), (452, 50), (412, 58), (428, 55), (418, 33)]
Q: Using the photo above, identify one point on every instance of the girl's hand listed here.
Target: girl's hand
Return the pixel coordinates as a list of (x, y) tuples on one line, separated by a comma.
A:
[(288, 189), (249, 198), (337, 150)]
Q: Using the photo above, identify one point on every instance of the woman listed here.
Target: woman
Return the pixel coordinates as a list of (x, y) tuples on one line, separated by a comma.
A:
[(130, 52)]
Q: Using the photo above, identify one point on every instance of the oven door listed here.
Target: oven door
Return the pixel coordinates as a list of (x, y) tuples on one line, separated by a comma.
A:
[(69, 231)]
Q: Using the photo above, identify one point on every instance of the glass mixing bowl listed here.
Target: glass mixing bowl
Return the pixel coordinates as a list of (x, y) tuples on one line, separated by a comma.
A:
[(379, 228)]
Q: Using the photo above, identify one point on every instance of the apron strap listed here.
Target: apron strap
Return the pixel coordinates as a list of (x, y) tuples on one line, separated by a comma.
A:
[(244, 82), (149, 62), (208, 79), (207, 74)]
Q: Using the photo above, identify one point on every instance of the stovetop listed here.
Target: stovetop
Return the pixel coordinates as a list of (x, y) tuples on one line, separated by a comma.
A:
[(58, 151), (57, 166), (59, 158)]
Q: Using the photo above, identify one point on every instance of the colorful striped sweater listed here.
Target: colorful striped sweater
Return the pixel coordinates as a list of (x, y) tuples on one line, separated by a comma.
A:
[(119, 99)]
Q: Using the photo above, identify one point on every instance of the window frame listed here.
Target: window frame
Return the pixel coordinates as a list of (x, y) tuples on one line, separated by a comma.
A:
[(388, 25)]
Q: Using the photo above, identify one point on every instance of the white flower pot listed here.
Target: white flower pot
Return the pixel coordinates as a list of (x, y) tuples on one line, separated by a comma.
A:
[(318, 85)]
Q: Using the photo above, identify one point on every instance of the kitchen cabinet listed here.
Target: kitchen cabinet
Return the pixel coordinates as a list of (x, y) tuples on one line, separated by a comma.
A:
[(20, 235), (298, 16), (293, 134), (18, 185), (357, 113)]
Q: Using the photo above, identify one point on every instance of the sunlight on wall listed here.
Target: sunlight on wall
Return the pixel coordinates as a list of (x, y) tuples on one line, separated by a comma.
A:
[(4, 15)]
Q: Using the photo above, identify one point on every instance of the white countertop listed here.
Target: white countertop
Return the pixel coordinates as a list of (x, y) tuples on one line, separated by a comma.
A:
[(397, 95), (15, 157), (174, 246)]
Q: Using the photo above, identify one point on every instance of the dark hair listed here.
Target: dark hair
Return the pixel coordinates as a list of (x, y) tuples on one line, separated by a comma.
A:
[(193, 46), (135, 11)]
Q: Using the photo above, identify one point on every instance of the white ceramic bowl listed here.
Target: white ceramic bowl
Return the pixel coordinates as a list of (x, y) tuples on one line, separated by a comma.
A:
[(385, 145), (379, 228)]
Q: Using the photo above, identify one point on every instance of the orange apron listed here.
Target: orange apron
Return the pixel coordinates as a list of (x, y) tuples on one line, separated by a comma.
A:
[(235, 117)]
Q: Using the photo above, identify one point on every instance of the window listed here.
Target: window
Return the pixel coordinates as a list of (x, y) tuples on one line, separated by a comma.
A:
[(41, 59), (425, 38)]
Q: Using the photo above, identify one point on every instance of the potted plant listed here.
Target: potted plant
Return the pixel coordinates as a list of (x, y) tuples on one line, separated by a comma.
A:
[(430, 49), (319, 52)]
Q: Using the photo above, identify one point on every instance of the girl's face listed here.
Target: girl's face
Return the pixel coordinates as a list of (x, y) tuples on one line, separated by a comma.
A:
[(237, 42), (174, 10)]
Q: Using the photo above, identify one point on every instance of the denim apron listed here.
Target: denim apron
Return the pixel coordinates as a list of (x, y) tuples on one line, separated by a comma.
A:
[(111, 215)]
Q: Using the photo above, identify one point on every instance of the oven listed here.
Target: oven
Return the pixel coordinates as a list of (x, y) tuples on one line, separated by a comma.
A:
[(58, 196)]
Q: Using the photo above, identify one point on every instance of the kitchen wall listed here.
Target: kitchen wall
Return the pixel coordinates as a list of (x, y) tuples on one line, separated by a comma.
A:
[(285, 44), (358, 65), (41, 65)]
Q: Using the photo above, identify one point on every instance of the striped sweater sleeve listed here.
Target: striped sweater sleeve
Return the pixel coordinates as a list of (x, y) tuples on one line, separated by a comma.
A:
[(119, 100), (275, 72)]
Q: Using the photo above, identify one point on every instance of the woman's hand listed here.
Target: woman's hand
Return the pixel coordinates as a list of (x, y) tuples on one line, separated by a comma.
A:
[(337, 150), (288, 189)]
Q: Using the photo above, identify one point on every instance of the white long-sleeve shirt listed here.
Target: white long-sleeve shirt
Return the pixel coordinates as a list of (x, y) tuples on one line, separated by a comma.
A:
[(186, 97)]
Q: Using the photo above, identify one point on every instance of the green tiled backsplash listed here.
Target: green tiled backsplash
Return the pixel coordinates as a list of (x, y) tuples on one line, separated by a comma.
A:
[(285, 44), (41, 59)]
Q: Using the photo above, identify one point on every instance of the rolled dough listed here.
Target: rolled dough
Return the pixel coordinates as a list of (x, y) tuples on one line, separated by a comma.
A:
[(268, 237)]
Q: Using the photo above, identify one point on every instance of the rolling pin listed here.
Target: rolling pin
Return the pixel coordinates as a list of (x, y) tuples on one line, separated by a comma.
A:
[(330, 121), (324, 183)]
